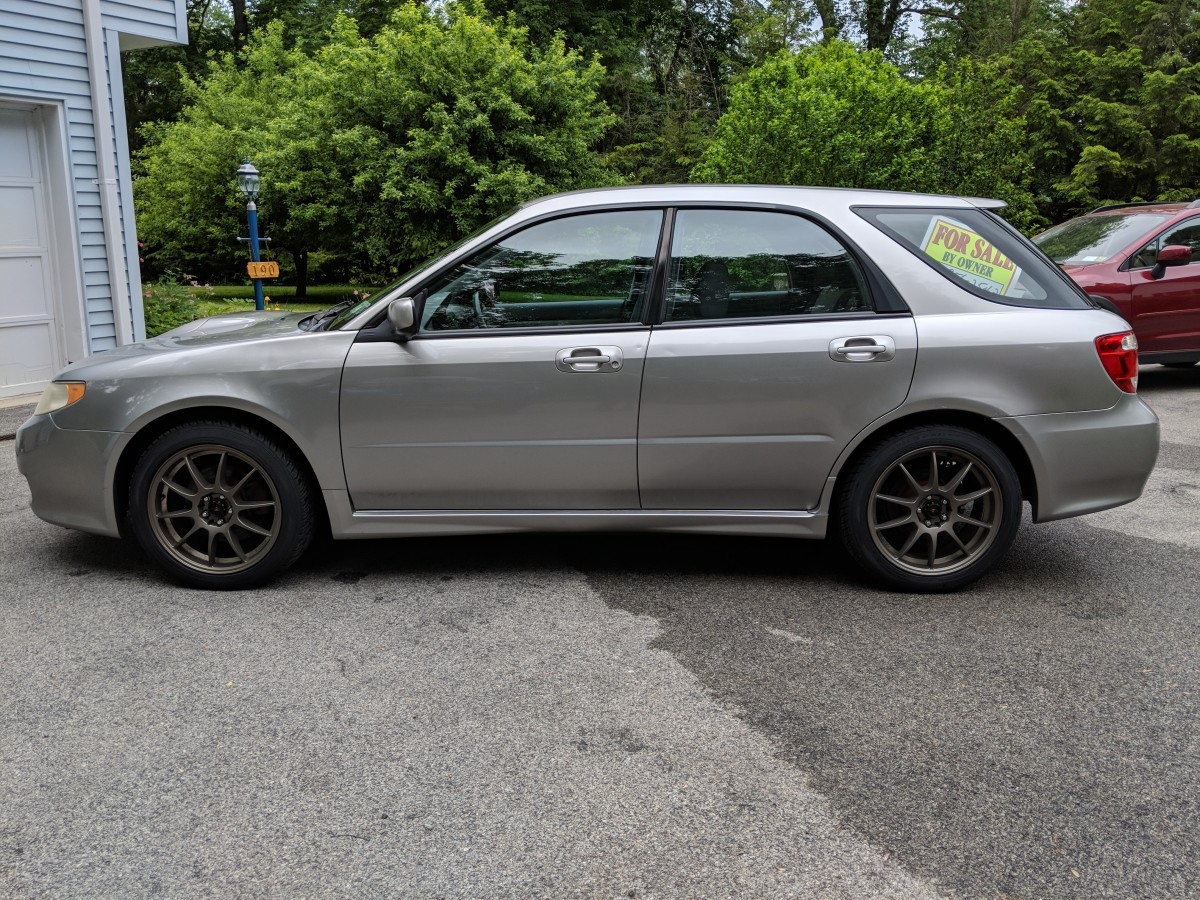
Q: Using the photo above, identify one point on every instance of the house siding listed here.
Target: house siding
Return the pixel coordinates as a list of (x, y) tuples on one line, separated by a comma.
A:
[(44, 59)]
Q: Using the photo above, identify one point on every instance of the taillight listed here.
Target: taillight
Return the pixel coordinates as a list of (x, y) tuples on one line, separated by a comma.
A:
[(1118, 355)]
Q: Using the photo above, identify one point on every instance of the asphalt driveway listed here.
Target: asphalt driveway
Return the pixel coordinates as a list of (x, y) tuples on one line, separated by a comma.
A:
[(611, 716)]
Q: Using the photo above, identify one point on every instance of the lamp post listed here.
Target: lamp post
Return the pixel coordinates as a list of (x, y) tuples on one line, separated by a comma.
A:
[(248, 181)]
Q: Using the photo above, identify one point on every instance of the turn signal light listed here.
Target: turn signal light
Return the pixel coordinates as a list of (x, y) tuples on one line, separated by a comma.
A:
[(1118, 355)]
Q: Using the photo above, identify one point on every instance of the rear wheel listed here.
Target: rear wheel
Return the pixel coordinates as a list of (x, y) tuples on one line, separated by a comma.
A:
[(219, 505), (930, 509)]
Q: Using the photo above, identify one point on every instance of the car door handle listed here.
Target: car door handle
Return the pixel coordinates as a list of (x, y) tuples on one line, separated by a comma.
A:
[(589, 359), (863, 348)]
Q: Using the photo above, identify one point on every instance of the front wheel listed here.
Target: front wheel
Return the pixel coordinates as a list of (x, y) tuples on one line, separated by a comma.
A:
[(930, 509), (218, 505)]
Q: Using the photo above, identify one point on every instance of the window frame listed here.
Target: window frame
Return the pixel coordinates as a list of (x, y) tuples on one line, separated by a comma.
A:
[(875, 285), (883, 294)]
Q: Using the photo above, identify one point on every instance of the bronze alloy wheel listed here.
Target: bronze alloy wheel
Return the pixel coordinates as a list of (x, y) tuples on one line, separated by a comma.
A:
[(213, 509), (935, 510)]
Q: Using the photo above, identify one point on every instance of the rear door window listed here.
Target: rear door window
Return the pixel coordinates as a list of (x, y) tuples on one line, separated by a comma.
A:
[(750, 264), (980, 252)]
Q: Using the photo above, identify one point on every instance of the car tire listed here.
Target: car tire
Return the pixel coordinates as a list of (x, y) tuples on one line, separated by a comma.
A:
[(913, 531), (220, 506)]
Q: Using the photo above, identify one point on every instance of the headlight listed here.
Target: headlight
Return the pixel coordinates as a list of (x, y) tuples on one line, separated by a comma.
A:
[(59, 395)]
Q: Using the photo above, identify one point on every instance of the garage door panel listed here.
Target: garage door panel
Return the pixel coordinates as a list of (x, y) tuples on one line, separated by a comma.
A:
[(16, 160), (19, 226), (24, 284), (25, 354)]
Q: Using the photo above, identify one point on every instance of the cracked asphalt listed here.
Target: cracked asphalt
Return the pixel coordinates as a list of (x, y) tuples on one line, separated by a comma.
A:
[(611, 716)]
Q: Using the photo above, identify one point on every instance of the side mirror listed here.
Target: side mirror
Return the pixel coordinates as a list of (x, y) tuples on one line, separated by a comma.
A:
[(1171, 255), (402, 315)]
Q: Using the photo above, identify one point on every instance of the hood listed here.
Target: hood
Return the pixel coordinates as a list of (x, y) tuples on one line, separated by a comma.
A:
[(229, 328), (235, 328)]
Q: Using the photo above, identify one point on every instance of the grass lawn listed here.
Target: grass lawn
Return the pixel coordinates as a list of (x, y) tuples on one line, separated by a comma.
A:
[(320, 294)]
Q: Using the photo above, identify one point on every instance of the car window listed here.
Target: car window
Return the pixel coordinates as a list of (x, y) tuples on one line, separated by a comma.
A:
[(1095, 239), (729, 264), (1186, 234), (981, 252), (590, 269)]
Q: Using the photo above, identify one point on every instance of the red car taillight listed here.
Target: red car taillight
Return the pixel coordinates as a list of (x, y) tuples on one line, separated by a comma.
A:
[(1118, 355)]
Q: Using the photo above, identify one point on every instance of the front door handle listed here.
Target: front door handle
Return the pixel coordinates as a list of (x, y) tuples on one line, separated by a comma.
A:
[(589, 359), (863, 348)]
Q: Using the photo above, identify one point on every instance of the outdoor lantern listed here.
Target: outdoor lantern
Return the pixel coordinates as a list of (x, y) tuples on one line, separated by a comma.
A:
[(247, 177)]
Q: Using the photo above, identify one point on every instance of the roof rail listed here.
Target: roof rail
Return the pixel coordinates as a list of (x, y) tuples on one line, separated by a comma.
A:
[(1139, 203)]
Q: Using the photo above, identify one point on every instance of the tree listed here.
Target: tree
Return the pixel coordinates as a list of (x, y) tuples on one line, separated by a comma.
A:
[(374, 151), (1111, 98), (840, 117)]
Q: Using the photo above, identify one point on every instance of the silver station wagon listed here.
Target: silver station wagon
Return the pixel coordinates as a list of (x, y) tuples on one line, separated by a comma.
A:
[(899, 370)]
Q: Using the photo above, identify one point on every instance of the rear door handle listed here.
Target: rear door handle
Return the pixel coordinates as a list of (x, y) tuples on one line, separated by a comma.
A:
[(589, 359), (863, 348)]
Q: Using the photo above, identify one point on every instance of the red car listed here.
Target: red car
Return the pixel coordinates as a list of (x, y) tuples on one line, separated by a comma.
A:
[(1141, 260)]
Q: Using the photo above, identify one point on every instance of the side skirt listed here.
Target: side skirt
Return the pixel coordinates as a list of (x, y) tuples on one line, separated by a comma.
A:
[(347, 523)]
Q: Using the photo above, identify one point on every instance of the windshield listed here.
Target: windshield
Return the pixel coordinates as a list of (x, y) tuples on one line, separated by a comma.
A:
[(1095, 239)]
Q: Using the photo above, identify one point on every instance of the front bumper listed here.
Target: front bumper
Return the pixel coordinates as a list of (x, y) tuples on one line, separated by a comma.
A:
[(1084, 462), (70, 474)]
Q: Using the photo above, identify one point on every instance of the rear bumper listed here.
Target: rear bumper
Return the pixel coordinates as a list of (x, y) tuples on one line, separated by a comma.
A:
[(70, 474), (1084, 462)]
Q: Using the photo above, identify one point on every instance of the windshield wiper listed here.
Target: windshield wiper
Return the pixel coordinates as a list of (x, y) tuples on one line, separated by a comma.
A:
[(326, 315)]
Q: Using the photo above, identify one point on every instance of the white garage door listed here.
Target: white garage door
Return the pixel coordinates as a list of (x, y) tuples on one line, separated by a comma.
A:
[(30, 346)]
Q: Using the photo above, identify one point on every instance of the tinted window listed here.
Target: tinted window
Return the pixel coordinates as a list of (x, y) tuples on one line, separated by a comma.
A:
[(1095, 239), (747, 264), (591, 269), (982, 253)]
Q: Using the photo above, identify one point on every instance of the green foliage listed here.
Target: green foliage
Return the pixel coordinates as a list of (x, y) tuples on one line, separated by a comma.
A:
[(1111, 96), (380, 150), (839, 117), (168, 304)]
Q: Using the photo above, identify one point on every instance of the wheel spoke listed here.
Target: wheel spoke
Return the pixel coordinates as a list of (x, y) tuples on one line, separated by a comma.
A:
[(974, 495), (933, 470), (954, 536), (220, 470), (212, 556), (201, 484), (233, 491), (933, 536), (967, 520), (252, 528), (958, 479), (899, 501), (251, 504), (908, 545), (235, 545), (178, 514), (179, 542), (894, 523), (182, 492), (912, 481)]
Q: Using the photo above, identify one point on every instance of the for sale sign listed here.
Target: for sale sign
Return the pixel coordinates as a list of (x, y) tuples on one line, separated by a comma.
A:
[(970, 256)]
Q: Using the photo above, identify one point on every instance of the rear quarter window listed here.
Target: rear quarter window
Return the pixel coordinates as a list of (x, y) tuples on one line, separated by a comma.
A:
[(980, 252)]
